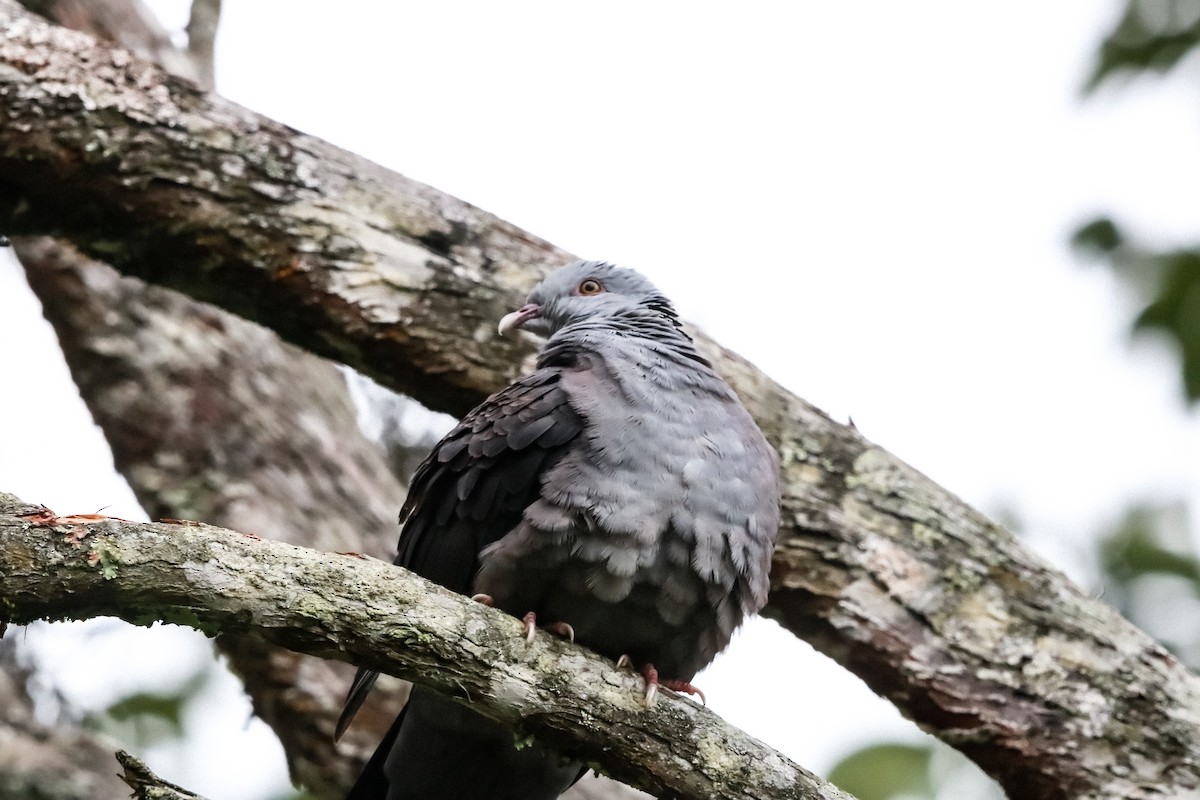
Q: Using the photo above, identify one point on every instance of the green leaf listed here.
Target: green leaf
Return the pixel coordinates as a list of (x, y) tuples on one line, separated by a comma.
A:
[(1151, 36), (1175, 311), (1167, 280), (165, 707), (144, 718), (1097, 238), (1137, 548), (883, 771)]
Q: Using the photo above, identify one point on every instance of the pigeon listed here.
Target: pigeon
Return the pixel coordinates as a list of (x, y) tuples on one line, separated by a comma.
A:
[(620, 495)]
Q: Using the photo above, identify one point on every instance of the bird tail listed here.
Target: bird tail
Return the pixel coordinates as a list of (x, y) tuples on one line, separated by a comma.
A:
[(372, 784), (364, 679)]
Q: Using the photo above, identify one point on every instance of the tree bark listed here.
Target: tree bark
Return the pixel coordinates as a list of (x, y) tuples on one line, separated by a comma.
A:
[(353, 608), (937, 608), (148, 786)]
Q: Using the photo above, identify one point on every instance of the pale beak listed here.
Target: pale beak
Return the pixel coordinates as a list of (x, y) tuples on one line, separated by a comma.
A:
[(513, 321)]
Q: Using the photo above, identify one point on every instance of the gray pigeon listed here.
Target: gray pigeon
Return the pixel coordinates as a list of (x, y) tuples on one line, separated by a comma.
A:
[(620, 493)]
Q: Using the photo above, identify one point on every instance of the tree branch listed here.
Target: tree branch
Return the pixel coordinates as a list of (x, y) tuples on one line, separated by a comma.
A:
[(148, 786), (340, 256), (357, 609), (937, 608)]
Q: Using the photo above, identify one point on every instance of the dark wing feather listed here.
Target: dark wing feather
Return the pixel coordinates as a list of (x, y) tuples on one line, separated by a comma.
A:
[(472, 488), (475, 484)]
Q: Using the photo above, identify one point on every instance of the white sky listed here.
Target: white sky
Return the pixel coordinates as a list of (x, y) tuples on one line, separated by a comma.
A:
[(869, 200)]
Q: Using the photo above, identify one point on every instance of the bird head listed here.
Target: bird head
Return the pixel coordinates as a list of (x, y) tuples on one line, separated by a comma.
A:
[(585, 291)]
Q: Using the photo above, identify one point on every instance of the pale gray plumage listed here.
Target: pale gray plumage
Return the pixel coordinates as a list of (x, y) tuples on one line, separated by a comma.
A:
[(621, 488)]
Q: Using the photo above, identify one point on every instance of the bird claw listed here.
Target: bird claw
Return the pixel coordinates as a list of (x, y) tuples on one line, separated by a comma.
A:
[(651, 676), (559, 629), (652, 682), (562, 630), (683, 687)]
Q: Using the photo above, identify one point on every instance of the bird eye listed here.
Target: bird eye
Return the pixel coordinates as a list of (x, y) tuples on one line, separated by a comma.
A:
[(590, 287)]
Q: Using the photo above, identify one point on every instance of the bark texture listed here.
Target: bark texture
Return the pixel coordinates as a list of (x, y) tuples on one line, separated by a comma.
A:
[(937, 608), (145, 785), (350, 607), (315, 242)]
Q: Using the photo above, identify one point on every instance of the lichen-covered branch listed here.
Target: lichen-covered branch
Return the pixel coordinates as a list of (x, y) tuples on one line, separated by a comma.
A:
[(148, 786), (188, 190), (937, 608), (355, 608)]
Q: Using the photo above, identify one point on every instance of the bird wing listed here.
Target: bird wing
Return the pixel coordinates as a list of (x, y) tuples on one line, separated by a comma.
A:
[(473, 487)]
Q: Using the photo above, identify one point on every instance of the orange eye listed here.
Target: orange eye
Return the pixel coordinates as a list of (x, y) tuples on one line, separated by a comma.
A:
[(590, 287)]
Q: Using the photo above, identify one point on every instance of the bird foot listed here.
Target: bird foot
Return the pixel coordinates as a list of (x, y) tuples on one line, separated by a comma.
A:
[(651, 676), (560, 629), (683, 687), (653, 682)]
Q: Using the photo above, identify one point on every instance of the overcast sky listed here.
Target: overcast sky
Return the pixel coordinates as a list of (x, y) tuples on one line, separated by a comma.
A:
[(871, 201)]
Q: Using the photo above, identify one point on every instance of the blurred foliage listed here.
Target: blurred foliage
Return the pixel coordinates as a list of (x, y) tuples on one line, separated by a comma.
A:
[(1149, 541), (896, 771), (1151, 573), (1151, 36), (1168, 281), (145, 719), (148, 720), (884, 771), (297, 794)]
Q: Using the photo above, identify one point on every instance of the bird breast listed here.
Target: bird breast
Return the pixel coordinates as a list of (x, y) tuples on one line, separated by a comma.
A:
[(659, 510)]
